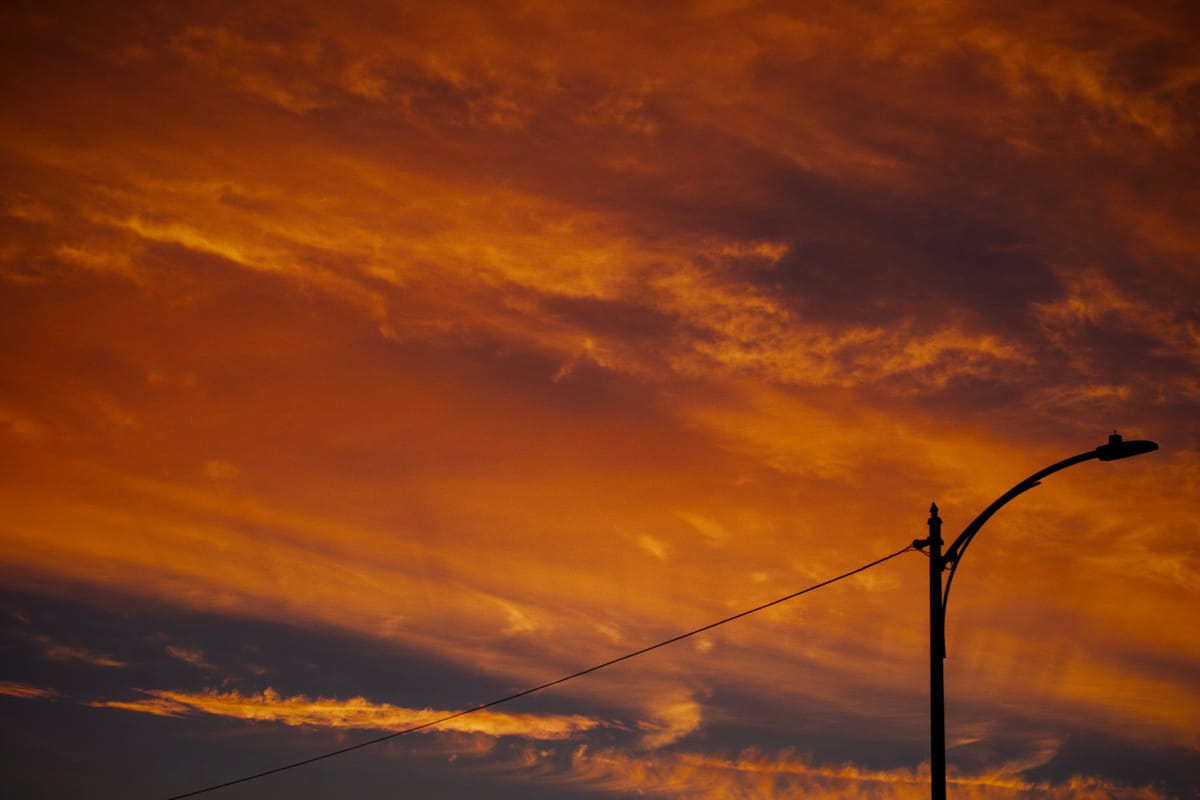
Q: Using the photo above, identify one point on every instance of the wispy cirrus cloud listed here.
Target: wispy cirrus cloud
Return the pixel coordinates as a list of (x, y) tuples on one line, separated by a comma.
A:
[(353, 713), (189, 655), (27, 691), (762, 775), (56, 651)]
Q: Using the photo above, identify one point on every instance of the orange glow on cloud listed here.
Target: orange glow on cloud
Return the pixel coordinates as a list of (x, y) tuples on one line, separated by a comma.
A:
[(55, 651), (357, 713), (25, 691), (755, 775)]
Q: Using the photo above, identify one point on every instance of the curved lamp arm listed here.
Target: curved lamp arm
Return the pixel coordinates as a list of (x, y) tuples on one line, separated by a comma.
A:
[(1114, 450)]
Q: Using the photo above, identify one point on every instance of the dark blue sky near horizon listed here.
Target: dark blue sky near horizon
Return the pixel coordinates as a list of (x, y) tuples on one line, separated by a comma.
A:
[(368, 362)]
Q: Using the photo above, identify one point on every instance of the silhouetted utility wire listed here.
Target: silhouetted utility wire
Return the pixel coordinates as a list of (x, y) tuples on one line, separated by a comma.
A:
[(539, 688)]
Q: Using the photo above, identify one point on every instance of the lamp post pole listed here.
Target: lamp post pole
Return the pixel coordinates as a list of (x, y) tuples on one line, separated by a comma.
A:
[(939, 595), (937, 655)]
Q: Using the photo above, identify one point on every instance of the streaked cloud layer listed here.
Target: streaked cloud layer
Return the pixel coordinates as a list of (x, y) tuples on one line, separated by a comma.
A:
[(353, 713), (497, 340)]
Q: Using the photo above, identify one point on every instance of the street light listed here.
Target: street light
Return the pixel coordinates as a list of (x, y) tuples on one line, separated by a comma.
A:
[(1116, 449)]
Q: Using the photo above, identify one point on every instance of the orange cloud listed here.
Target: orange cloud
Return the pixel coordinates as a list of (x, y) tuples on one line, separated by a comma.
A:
[(189, 656), (674, 718), (355, 713), (26, 691), (754, 774), (55, 651), (1094, 301)]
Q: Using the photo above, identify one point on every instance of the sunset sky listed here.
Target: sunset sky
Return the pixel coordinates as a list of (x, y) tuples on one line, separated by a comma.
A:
[(368, 361)]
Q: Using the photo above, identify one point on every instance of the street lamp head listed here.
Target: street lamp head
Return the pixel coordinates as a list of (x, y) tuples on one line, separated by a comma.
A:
[(1117, 448)]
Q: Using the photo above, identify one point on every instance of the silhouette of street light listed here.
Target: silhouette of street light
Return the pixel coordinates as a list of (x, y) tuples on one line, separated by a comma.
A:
[(939, 596)]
